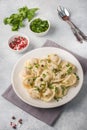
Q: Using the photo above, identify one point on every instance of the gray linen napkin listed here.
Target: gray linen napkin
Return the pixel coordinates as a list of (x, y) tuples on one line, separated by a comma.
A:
[(49, 115)]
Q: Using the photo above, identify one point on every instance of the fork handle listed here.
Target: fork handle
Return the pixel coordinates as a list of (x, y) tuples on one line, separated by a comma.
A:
[(78, 30), (75, 31), (78, 37)]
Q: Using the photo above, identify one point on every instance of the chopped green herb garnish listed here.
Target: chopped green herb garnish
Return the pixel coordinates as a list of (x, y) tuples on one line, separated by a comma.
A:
[(30, 67), (48, 60), (56, 98), (36, 88), (44, 75), (54, 70), (76, 76), (69, 70), (43, 85), (31, 84), (36, 65), (68, 65), (34, 78), (38, 25), (63, 89), (56, 89), (51, 86), (59, 67)]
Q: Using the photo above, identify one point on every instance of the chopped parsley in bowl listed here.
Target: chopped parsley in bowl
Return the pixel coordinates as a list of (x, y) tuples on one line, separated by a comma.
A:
[(40, 26)]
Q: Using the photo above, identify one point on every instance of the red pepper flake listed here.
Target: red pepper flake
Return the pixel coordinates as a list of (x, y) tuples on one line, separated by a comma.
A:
[(13, 117), (14, 126), (18, 43), (20, 121)]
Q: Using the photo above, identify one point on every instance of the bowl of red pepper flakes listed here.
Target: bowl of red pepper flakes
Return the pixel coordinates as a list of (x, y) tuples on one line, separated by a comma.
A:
[(18, 43)]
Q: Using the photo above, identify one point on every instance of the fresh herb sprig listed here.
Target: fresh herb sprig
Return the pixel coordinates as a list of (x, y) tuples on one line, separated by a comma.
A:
[(16, 20)]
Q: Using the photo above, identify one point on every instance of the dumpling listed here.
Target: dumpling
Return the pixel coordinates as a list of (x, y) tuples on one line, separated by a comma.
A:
[(27, 68), (53, 67), (48, 95), (36, 70), (57, 78), (28, 82), (46, 75), (26, 72), (58, 90), (66, 64), (34, 93), (40, 83), (43, 63), (29, 63), (54, 58), (33, 61), (70, 80)]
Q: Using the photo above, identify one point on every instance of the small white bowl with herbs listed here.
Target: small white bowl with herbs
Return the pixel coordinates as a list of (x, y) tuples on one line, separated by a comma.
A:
[(39, 26)]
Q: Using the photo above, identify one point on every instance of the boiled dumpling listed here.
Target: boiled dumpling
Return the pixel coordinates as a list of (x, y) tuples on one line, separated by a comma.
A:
[(36, 71), (28, 82), (33, 61), (66, 64), (58, 90), (69, 80), (46, 75), (43, 63), (34, 93), (54, 58), (53, 67), (40, 83), (48, 95)]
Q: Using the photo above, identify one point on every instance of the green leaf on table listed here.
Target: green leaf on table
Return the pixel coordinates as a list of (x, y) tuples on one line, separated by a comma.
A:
[(31, 13), (23, 11), (16, 20)]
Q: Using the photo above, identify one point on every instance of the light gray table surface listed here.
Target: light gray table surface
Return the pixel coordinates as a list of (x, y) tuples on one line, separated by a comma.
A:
[(74, 117)]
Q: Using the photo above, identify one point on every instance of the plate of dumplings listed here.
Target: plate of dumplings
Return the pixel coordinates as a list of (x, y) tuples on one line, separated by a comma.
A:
[(49, 79)]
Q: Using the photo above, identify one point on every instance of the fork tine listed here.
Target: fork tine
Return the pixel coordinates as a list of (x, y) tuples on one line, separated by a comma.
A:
[(59, 8), (61, 11), (61, 14)]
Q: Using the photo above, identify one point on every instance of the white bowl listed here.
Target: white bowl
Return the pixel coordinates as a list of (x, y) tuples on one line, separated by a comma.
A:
[(12, 39), (42, 33)]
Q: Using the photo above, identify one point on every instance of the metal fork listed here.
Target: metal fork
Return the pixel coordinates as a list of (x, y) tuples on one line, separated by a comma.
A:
[(65, 15)]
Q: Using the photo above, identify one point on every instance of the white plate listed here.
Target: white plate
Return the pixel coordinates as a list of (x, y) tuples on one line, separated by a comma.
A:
[(41, 52)]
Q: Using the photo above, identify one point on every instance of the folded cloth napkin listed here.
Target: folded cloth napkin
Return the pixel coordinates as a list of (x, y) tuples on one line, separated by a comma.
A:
[(49, 115)]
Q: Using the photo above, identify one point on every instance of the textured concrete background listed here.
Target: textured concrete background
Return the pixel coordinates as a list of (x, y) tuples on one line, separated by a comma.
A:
[(74, 116)]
